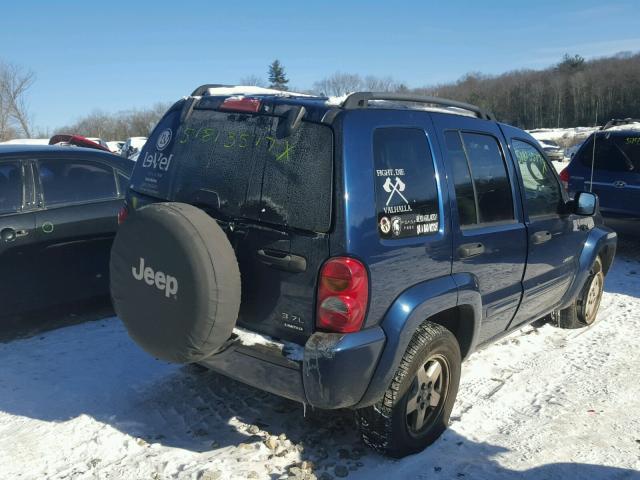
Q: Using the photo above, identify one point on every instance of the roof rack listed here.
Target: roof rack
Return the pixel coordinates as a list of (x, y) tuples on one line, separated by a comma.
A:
[(361, 100), (614, 122)]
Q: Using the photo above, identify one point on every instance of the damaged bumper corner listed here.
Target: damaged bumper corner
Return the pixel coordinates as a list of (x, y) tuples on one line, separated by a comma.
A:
[(333, 370), (337, 368)]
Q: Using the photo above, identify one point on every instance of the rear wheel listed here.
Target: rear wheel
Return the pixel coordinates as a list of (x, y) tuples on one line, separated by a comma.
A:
[(415, 409), (584, 310)]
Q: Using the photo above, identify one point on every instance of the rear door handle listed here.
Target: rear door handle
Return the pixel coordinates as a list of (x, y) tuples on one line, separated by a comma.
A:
[(283, 260), (470, 250), (9, 234), (541, 237)]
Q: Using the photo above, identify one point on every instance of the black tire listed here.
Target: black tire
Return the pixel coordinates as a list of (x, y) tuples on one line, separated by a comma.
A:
[(388, 425), (175, 282), (583, 312)]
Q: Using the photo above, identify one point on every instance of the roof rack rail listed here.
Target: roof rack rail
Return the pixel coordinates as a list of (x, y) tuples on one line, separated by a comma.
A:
[(202, 89), (361, 100), (614, 122)]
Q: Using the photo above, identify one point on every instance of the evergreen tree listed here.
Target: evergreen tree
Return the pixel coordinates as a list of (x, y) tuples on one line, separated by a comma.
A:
[(277, 77)]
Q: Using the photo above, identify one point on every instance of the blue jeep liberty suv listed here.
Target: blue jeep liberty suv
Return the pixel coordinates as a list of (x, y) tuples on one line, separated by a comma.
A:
[(349, 253)]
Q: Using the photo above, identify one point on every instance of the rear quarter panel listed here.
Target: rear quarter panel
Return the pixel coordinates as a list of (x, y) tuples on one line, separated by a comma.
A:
[(398, 264)]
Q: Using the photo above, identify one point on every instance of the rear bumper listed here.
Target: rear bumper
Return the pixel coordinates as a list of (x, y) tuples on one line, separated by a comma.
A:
[(331, 371)]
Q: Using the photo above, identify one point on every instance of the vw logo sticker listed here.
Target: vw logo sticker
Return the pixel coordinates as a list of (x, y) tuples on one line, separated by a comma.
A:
[(164, 139)]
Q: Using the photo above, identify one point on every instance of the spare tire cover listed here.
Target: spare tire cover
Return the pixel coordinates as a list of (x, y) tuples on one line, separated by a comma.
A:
[(175, 281)]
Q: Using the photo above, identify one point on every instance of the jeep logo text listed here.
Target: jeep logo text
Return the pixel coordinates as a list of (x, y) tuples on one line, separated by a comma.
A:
[(159, 279)]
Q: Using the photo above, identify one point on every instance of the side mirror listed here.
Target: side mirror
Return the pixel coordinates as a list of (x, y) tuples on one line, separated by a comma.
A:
[(585, 203)]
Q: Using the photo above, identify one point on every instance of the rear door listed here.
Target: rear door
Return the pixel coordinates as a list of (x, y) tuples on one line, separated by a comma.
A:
[(271, 192), (627, 181), (555, 238), (76, 225), (489, 233), (17, 238), (616, 172)]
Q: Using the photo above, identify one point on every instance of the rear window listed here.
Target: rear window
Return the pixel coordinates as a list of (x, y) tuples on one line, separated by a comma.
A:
[(70, 181), (614, 153), (237, 164), (405, 183)]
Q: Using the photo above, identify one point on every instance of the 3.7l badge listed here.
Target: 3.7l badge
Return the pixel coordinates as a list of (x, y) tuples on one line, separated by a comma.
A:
[(292, 322)]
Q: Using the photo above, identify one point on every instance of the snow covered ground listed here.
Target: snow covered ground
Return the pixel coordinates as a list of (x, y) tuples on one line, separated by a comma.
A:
[(84, 402)]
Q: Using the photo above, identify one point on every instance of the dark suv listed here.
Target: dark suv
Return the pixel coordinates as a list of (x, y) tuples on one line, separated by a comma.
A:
[(611, 169), (351, 254)]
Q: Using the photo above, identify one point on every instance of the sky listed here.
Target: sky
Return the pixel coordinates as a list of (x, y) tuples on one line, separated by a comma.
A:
[(119, 55)]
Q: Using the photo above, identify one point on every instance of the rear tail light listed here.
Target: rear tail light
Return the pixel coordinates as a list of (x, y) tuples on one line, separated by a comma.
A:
[(564, 178), (241, 104), (123, 214), (343, 295)]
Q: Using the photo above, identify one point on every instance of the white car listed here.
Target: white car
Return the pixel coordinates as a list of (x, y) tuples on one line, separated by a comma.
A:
[(116, 146), (553, 150), (132, 146)]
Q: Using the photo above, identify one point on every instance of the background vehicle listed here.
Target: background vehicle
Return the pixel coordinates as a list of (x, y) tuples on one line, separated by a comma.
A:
[(78, 141), (115, 146), (58, 216), (616, 176), (99, 141), (348, 255), (554, 152), (132, 146)]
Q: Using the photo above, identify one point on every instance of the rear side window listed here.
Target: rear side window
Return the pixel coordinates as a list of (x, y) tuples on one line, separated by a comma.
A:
[(405, 183), (71, 181), (483, 190), (465, 193), (240, 166), (11, 187), (490, 179), (613, 153)]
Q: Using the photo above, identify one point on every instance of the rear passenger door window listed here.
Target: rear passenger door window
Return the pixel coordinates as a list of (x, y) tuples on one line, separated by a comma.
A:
[(541, 188), (405, 183), (11, 187), (482, 186), (69, 182)]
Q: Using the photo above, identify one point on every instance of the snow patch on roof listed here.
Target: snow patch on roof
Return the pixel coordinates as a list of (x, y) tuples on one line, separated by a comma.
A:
[(252, 90), (337, 101), (621, 128)]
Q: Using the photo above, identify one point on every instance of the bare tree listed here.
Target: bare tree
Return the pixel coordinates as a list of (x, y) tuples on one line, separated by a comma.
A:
[(564, 95), (339, 84), (342, 83), (119, 125), (15, 81), (381, 84), (253, 80)]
